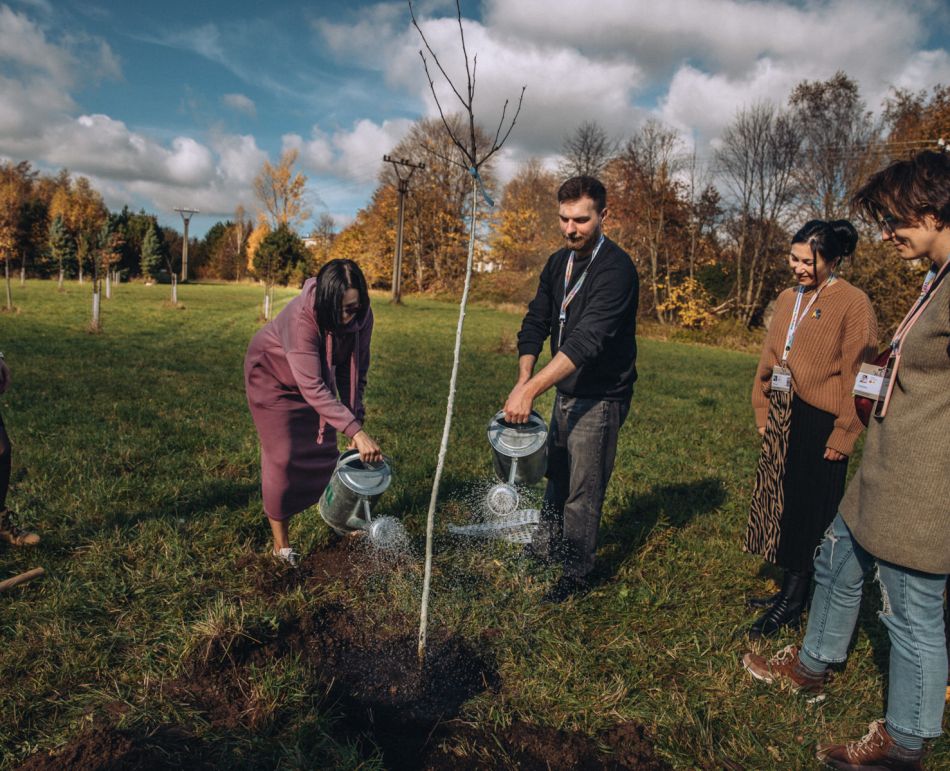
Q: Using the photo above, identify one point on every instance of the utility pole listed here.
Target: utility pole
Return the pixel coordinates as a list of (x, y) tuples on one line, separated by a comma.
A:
[(186, 218), (402, 188)]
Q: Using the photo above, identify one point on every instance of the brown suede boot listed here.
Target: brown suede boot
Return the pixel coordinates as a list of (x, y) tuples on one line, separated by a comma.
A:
[(876, 751), (784, 668), (13, 534)]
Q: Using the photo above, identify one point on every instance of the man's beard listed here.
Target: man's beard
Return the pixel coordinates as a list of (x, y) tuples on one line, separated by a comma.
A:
[(583, 245)]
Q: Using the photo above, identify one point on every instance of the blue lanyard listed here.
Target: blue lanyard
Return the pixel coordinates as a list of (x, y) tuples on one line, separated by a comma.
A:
[(569, 296), (796, 319)]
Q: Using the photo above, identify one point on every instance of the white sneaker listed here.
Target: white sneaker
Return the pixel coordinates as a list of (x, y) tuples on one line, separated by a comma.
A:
[(288, 555)]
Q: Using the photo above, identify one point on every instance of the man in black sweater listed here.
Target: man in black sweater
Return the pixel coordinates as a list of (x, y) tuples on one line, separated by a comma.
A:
[(587, 303)]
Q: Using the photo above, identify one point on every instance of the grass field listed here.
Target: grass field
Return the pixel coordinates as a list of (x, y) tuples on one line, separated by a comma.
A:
[(136, 458)]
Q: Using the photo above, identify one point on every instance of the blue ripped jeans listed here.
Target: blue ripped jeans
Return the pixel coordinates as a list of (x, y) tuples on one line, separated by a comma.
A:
[(912, 613)]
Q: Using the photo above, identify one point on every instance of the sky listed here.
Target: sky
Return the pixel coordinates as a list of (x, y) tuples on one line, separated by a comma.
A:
[(178, 104)]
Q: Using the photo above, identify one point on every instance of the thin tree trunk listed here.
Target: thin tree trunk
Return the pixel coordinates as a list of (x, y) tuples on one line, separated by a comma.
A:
[(174, 289), (96, 305), (80, 273), (6, 266), (60, 283), (23, 272), (446, 429), (108, 284)]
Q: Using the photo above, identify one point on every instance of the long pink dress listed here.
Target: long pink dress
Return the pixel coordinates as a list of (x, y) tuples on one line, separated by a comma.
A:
[(292, 374)]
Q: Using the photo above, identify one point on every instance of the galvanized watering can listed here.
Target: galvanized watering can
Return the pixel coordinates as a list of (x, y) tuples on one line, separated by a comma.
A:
[(519, 456), (346, 503)]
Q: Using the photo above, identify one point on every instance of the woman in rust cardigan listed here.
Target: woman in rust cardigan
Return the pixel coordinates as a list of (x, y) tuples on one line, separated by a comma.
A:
[(822, 331)]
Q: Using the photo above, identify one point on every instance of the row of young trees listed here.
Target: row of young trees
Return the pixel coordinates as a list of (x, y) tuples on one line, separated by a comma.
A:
[(709, 235)]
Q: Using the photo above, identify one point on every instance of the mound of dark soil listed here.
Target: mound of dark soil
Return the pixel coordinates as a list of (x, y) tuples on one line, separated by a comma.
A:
[(109, 749), (370, 674)]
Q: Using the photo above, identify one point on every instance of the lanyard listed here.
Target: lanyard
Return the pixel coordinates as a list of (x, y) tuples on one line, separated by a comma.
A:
[(569, 296), (797, 319), (918, 308), (894, 360)]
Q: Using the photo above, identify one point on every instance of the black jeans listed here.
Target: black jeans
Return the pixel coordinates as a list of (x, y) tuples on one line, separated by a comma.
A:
[(582, 446)]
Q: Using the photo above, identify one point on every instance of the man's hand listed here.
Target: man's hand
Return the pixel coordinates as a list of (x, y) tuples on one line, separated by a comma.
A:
[(517, 408), (368, 449), (4, 376)]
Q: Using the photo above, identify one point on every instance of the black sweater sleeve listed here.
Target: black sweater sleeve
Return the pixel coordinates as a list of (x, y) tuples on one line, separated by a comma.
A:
[(614, 286), (537, 321)]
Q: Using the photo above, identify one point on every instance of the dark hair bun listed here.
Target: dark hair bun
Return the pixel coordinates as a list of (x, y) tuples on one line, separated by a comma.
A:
[(845, 237)]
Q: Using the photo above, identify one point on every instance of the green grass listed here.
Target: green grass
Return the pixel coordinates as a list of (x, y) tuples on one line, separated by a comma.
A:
[(136, 458)]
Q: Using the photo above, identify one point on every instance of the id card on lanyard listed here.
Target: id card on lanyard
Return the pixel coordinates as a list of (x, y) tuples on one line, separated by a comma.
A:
[(889, 372), (569, 296), (781, 374)]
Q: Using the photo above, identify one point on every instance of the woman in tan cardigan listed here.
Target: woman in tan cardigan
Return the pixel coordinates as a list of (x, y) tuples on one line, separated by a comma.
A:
[(822, 331)]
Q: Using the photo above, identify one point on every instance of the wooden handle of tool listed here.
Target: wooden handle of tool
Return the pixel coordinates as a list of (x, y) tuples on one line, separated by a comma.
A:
[(29, 575)]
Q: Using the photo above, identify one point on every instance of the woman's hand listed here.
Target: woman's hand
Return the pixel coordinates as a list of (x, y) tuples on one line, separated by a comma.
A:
[(368, 449), (834, 454), (761, 430)]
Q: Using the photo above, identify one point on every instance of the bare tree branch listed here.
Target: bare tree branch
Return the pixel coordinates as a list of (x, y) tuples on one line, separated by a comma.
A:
[(445, 122), (436, 58), (470, 153)]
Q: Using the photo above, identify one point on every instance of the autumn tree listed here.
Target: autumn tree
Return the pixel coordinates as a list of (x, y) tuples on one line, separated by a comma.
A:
[(370, 239), (586, 151), (435, 235), (526, 230), (916, 120), (85, 217), (280, 191), (14, 184), (648, 211), (756, 161), (839, 146)]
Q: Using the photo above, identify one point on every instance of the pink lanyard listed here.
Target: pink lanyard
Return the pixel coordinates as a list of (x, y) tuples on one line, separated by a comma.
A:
[(893, 362), (569, 296)]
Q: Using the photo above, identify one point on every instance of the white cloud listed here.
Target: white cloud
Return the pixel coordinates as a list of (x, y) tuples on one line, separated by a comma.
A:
[(240, 103), (355, 155)]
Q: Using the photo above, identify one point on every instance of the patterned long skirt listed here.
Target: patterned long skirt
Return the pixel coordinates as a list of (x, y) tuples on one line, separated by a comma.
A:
[(797, 491)]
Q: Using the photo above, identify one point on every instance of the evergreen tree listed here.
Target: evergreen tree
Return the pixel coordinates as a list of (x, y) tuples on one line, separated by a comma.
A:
[(280, 253), (153, 252), (61, 245)]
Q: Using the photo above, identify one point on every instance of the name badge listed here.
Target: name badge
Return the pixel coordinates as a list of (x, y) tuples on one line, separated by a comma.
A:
[(781, 379), (869, 382)]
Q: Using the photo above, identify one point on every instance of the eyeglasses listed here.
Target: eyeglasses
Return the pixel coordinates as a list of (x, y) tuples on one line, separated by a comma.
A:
[(888, 224)]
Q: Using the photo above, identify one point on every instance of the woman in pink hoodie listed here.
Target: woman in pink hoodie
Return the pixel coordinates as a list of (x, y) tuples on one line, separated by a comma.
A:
[(316, 347)]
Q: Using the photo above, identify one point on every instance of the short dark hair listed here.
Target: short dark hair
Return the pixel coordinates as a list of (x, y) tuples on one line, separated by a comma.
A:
[(333, 280), (832, 241), (579, 187), (908, 189)]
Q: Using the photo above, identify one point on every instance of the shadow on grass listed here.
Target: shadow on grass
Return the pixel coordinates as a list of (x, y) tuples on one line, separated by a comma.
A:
[(675, 505), (213, 495)]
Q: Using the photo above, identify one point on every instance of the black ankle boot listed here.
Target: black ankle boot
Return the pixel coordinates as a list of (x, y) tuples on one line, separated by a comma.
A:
[(787, 610), (763, 602)]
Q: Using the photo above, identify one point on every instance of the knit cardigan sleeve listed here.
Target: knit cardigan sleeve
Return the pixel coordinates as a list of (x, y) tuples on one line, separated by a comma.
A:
[(858, 345)]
